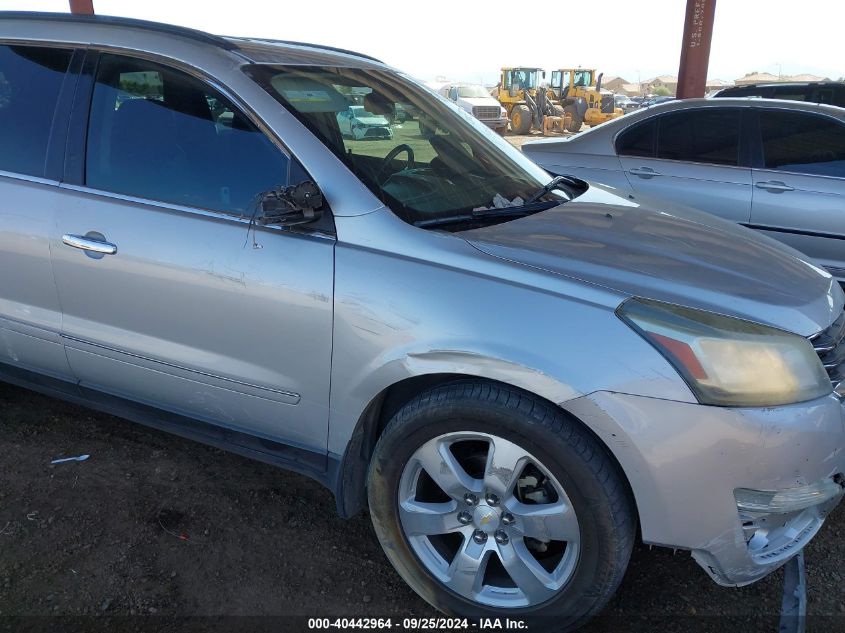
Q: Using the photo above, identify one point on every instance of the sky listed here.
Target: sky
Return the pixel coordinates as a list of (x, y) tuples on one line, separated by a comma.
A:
[(634, 39)]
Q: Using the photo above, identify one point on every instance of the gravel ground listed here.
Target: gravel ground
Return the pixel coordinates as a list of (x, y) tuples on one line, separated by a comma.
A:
[(517, 140), (155, 525)]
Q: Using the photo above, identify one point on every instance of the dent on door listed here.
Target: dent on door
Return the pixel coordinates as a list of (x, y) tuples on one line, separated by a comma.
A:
[(30, 315), (188, 315)]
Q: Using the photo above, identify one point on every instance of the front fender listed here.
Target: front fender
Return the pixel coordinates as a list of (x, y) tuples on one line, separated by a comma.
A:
[(433, 304)]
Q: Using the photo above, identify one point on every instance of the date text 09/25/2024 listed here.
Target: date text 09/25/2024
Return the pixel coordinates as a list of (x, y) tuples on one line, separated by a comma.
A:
[(418, 624)]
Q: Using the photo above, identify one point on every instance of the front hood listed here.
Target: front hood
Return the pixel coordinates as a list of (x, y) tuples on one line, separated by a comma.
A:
[(656, 250), (373, 121), (480, 101)]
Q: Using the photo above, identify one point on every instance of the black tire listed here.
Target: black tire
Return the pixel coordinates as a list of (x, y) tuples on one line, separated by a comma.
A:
[(591, 478), (575, 121), (559, 111), (520, 119)]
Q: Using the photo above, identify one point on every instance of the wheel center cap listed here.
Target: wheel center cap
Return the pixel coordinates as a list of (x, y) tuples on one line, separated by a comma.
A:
[(485, 519)]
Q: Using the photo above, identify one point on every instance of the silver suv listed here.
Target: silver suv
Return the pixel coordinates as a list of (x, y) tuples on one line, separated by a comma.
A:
[(512, 372)]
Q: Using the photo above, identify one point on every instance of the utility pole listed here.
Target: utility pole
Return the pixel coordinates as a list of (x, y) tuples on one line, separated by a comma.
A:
[(695, 48), (85, 7)]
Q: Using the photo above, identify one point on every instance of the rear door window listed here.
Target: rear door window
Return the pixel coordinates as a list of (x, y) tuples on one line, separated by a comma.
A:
[(700, 136), (161, 134), (803, 143), (637, 140), (30, 80)]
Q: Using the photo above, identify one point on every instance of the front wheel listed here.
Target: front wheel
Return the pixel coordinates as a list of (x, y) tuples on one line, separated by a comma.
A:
[(492, 503), (520, 119), (575, 120)]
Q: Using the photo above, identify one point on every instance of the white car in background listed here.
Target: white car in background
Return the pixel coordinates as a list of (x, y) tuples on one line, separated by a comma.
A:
[(478, 102), (357, 123)]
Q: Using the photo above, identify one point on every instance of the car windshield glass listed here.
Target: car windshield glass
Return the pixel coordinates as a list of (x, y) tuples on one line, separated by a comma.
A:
[(472, 92), (433, 162)]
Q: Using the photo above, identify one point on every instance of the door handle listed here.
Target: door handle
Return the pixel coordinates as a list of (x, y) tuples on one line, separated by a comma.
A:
[(775, 186), (89, 244), (644, 172)]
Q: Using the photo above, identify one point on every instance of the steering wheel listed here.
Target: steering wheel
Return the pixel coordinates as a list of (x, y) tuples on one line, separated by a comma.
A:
[(385, 163)]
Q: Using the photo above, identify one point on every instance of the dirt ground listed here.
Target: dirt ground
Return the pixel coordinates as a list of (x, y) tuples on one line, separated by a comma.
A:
[(517, 140), (154, 525)]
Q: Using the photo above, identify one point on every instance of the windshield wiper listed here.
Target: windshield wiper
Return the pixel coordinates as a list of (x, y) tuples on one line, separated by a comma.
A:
[(483, 214), (554, 183)]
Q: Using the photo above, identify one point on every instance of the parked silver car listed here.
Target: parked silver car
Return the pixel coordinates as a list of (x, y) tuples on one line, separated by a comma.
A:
[(511, 372), (625, 102), (775, 166)]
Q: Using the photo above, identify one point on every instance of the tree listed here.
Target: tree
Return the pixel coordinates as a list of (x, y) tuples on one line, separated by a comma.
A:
[(662, 91)]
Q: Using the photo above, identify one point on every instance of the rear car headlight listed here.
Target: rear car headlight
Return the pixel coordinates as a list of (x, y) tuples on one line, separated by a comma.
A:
[(728, 361)]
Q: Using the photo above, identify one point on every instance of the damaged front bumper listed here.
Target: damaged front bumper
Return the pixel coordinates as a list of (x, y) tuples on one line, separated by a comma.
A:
[(773, 534), (744, 490)]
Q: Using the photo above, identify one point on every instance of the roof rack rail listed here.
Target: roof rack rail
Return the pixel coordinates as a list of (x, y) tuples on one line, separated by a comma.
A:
[(172, 29), (325, 47)]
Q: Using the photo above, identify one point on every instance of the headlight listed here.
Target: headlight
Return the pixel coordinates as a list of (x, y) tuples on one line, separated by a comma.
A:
[(728, 361), (788, 500)]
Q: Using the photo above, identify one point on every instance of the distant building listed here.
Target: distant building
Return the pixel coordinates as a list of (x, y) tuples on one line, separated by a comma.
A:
[(620, 86), (631, 90), (768, 78), (756, 78), (806, 77), (670, 82), (717, 84), (614, 84)]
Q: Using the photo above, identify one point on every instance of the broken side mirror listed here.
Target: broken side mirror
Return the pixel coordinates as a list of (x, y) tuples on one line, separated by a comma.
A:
[(289, 206)]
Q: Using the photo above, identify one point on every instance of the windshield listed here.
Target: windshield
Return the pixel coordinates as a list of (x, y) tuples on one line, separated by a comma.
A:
[(433, 162), (521, 78), (583, 78), (472, 92)]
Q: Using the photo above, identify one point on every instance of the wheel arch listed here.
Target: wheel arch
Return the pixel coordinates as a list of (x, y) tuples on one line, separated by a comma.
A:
[(351, 492)]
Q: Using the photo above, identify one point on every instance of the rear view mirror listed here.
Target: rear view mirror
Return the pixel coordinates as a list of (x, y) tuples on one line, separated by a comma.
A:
[(289, 206), (378, 104)]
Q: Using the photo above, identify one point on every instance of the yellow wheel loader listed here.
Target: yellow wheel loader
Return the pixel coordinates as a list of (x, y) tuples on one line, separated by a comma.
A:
[(579, 93), (527, 104)]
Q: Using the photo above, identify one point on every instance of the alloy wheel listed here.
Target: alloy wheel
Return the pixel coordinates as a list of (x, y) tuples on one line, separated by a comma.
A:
[(488, 520)]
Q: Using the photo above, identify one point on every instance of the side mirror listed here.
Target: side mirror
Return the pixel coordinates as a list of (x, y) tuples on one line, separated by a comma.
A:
[(289, 206)]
